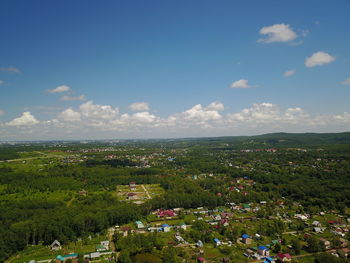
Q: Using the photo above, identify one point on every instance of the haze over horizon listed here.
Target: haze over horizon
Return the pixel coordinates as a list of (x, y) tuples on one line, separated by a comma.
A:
[(171, 69)]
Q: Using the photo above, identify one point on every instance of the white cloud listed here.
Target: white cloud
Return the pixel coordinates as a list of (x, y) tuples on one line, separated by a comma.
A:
[(318, 59), (216, 105), (59, 89), (73, 98), (26, 119), (10, 69), (1, 82), (196, 116), (91, 120), (139, 117), (2, 112), (346, 82), (241, 84), (289, 73), (277, 33), (69, 115), (91, 110), (139, 106)]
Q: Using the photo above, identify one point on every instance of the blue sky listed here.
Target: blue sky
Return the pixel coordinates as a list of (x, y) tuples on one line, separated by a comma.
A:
[(169, 56)]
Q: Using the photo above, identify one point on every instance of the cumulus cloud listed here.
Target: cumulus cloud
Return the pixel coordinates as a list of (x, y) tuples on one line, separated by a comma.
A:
[(196, 116), (277, 33), (138, 117), (10, 69), (319, 58), (91, 110), (241, 84), (216, 105), (346, 82), (91, 120), (139, 106), (289, 73), (59, 89), (27, 119), (73, 98), (69, 115)]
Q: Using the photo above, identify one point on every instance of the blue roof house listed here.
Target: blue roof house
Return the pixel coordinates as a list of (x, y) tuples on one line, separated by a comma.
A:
[(263, 251), (217, 242)]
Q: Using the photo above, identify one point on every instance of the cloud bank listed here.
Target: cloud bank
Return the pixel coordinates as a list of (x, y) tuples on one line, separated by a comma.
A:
[(95, 121)]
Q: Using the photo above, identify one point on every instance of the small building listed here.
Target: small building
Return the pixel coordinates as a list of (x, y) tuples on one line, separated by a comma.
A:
[(246, 207), (139, 225), (55, 245), (65, 257), (246, 239), (316, 223), (199, 243), (100, 248), (325, 243), (165, 228), (132, 196), (284, 257), (217, 242), (217, 217), (317, 230), (180, 239), (94, 255), (124, 230), (166, 213), (132, 186), (183, 226), (263, 251), (105, 244)]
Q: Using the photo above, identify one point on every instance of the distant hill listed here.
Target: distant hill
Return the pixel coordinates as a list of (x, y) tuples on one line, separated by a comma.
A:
[(286, 139), (269, 140)]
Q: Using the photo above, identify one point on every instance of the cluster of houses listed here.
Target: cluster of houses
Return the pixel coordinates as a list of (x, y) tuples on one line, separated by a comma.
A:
[(269, 150), (100, 250)]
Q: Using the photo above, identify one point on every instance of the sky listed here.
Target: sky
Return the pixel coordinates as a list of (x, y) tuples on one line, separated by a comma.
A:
[(108, 69)]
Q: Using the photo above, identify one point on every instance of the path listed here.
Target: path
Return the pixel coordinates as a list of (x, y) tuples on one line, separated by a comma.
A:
[(147, 193)]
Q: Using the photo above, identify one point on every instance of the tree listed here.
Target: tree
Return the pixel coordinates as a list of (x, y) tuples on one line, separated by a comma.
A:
[(169, 255), (296, 245), (124, 257), (313, 244)]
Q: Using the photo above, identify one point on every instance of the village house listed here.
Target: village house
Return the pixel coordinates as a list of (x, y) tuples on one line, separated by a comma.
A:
[(316, 224), (199, 243), (124, 230), (325, 243), (55, 245), (60, 258), (183, 226), (246, 239), (93, 255), (132, 186), (166, 213), (105, 244), (217, 242), (139, 225), (343, 242), (263, 251), (165, 228), (132, 196), (284, 257)]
